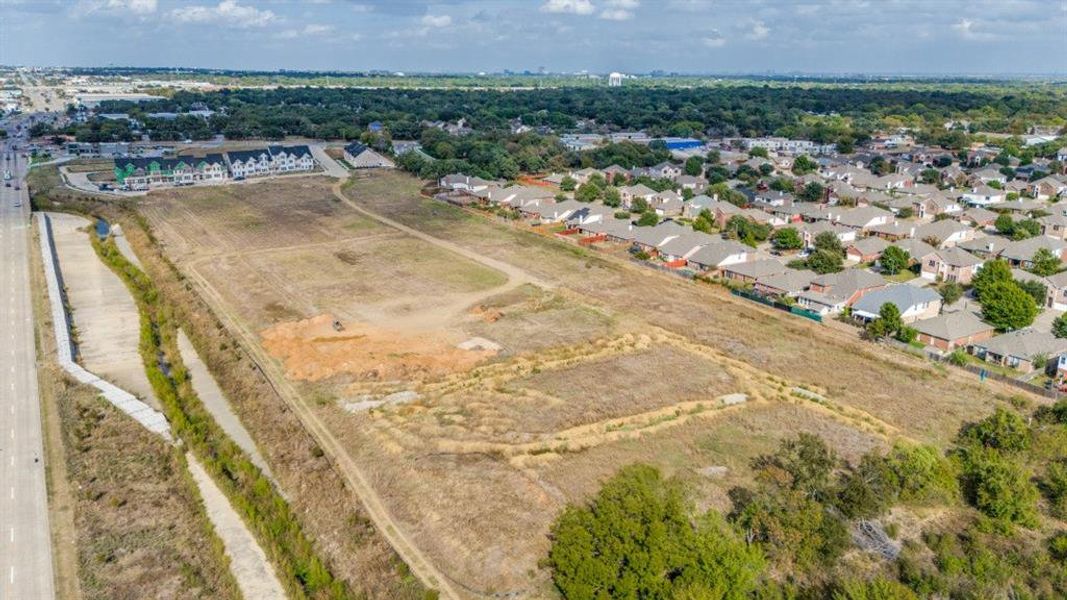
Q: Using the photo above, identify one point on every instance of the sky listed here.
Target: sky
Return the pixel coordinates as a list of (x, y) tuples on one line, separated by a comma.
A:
[(631, 36)]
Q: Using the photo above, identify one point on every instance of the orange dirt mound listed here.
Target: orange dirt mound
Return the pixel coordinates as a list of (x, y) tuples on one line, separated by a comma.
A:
[(312, 350)]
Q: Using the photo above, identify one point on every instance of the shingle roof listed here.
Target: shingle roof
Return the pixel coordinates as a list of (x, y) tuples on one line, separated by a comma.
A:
[(758, 268), (1025, 343), (904, 296), (790, 281), (953, 326)]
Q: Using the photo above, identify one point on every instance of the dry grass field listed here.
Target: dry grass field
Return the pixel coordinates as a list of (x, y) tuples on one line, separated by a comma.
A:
[(479, 404)]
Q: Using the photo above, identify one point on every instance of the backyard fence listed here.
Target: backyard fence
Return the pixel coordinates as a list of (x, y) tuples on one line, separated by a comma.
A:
[(782, 306)]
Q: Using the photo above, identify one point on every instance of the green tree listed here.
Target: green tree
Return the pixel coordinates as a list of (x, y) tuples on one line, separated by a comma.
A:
[(787, 238), (829, 242), (1007, 306), (950, 292), (1044, 263), (1004, 224), (994, 271), (806, 461), (587, 192), (612, 197), (1003, 430), (930, 176), (822, 262), (894, 260), (812, 192), (567, 184), (922, 475), (648, 219), (694, 166), (804, 165), (760, 152), (1034, 288), (1027, 228), (997, 486), (1059, 326), (888, 322), (636, 539), (867, 490), (796, 531)]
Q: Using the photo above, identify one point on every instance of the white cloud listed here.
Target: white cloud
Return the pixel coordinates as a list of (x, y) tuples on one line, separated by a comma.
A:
[(437, 20), (969, 30), (226, 12), (714, 39), (140, 7), (619, 10), (576, 7), (309, 30), (759, 31)]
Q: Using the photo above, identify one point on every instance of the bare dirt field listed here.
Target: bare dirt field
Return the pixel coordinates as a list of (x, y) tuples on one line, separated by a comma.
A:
[(474, 450)]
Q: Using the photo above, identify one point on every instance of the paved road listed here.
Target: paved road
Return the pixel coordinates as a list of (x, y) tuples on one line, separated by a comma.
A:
[(25, 543)]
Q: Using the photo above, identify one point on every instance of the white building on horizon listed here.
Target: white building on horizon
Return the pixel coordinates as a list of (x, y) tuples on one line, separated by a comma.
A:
[(615, 80)]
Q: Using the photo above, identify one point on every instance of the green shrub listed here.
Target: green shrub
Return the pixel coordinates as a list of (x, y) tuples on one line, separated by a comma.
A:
[(636, 539)]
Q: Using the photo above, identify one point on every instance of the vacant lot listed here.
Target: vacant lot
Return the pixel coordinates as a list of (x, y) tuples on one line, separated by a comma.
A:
[(475, 451)]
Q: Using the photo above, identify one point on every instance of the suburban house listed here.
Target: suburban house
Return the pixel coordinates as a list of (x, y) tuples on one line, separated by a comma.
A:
[(285, 159), (987, 247), (833, 292), (667, 204), (649, 239), (936, 204), (685, 245), (984, 195), (789, 283), (978, 217), (249, 163), (696, 204), (953, 265), (989, 174), (1021, 349), (864, 217), (629, 193), (1054, 226), (1047, 188), (583, 175), (691, 182), (946, 232), (749, 272), (953, 330), (458, 182), (519, 196), (713, 257), (865, 250), (1021, 253), (913, 302), (612, 230), (1056, 291), (361, 156), (810, 231)]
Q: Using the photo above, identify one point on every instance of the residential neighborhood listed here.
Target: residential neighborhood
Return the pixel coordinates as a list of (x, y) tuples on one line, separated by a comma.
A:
[(719, 213)]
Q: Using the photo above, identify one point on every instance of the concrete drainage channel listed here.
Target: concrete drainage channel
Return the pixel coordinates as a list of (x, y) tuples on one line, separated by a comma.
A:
[(254, 574)]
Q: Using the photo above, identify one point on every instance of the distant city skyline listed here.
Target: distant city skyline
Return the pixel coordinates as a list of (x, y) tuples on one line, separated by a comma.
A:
[(827, 37)]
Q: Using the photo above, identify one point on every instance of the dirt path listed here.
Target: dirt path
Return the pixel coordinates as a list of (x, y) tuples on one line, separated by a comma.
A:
[(419, 564), (248, 562), (516, 275)]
